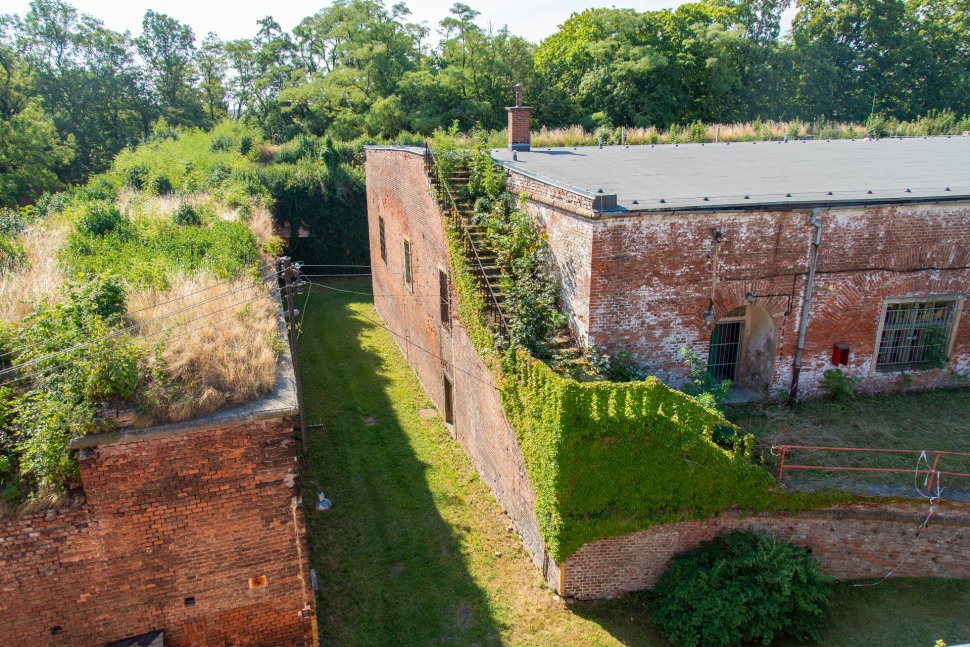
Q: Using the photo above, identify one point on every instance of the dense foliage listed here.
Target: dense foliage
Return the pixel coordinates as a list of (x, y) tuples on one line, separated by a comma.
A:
[(740, 589), (73, 93), (607, 459)]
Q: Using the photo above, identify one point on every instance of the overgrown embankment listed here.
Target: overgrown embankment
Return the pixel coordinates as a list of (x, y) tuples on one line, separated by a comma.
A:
[(604, 458)]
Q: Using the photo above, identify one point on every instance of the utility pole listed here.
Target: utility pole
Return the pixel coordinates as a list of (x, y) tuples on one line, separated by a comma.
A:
[(291, 271)]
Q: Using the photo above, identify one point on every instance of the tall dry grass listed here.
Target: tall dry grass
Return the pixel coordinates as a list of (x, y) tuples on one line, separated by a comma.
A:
[(40, 275), (221, 350)]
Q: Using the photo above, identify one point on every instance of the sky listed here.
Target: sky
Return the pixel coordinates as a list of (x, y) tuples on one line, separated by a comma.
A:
[(533, 19)]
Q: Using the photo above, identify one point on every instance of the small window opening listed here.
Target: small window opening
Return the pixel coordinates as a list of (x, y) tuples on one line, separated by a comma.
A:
[(449, 402), (914, 333), (383, 241), (407, 263), (190, 602), (445, 297), (56, 631)]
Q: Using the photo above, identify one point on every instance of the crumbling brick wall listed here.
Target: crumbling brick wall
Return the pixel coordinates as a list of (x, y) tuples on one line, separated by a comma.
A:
[(172, 532), (398, 192), (648, 279), (851, 543)]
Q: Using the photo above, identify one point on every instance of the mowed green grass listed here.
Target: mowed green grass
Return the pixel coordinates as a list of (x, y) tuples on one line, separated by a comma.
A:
[(931, 420), (415, 551)]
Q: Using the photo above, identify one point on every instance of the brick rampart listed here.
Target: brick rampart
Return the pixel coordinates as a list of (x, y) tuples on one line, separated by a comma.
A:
[(849, 543), (194, 516), (398, 192)]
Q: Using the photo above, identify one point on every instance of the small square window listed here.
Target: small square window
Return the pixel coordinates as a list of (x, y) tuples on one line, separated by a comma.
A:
[(914, 334)]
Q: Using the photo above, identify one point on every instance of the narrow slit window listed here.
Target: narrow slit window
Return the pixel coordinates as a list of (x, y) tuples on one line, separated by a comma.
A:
[(380, 233), (914, 334), (407, 263), (445, 297), (449, 402)]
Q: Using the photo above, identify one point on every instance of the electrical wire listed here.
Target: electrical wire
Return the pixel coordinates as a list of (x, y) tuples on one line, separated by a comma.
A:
[(125, 314), (123, 331), (413, 297), (133, 341)]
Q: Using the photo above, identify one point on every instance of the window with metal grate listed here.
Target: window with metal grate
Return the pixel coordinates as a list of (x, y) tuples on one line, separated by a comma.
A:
[(445, 298), (407, 263), (912, 333), (383, 241)]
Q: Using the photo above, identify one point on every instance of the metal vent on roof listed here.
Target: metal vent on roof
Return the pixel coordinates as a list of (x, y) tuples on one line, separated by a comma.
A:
[(606, 202)]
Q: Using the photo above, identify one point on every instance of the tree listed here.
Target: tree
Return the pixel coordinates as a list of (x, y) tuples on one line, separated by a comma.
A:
[(212, 65), (31, 151), (168, 49)]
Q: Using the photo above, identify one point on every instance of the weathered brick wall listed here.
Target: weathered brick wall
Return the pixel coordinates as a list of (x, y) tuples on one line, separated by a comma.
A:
[(397, 190), (650, 280), (849, 543), (189, 516)]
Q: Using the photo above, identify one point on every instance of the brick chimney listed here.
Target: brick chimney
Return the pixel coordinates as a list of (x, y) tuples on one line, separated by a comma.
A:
[(520, 135)]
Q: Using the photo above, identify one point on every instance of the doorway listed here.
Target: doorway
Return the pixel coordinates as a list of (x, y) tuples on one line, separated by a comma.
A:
[(743, 348)]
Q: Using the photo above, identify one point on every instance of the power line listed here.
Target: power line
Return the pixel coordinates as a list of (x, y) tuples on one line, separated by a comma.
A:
[(438, 300), (133, 341), (124, 330), (123, 314)]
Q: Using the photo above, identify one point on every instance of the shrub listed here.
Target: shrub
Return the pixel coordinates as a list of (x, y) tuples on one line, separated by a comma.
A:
[(184, 214), (838, 385), (159, 184), (741, 588), (99, 219), (51, 203), (701, 384), (135, 176), (12, 255)]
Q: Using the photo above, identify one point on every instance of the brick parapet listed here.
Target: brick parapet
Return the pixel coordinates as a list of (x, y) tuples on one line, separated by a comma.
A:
[(868, 542), (192, 516)]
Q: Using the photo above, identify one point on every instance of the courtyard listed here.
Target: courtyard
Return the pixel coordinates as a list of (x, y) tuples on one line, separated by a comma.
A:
[(416, 551)]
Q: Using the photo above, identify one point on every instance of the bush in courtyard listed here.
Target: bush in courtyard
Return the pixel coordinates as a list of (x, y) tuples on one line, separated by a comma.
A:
[(741, 588), (701, 385), (838, 385), (159, 184), (135, 176)]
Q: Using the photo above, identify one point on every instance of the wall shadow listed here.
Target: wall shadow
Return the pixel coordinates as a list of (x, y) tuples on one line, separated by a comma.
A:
[(389, 568)]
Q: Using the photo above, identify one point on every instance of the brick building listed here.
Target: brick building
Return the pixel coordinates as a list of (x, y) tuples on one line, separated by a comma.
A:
[(187, 535), (765, 257)]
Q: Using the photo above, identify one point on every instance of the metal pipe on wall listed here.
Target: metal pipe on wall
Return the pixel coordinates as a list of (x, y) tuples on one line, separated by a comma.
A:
[(806, 306)]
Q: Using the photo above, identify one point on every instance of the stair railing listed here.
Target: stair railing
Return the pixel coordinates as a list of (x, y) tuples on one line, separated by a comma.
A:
[(440, 185)]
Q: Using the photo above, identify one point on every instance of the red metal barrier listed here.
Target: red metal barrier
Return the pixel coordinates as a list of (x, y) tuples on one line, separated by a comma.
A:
[(932, 473)]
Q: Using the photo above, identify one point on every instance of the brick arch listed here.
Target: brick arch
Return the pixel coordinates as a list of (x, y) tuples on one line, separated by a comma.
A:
[(881, 284), (730, 295)]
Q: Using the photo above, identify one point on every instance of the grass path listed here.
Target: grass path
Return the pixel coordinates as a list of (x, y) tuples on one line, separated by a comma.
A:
[(415, 550)]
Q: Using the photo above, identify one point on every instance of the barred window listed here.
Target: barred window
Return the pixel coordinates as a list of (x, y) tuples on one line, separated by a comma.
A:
[(445, 297), (380, 233), (407, 263), (914, 333)]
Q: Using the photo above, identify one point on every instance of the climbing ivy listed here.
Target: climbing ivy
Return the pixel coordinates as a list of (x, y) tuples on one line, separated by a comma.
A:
[(607, 459)]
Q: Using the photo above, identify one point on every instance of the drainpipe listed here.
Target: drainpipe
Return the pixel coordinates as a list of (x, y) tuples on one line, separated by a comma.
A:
[(806, 306)]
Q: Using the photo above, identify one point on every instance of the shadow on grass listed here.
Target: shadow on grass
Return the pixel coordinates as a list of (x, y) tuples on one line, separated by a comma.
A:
[(388, 566)]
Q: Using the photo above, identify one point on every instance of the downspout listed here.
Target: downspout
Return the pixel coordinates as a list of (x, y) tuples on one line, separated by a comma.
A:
[(806, 306)]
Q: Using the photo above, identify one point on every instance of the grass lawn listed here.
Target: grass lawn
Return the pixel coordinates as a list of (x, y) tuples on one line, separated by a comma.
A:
[(415, 550), (932, 420)]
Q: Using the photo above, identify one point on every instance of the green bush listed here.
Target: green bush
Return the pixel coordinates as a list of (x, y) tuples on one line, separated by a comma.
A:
[(12, 255), (135, 176), (838, 385), (701, 385), (738, 589), (100, 218), (159, 184), (184, 214)]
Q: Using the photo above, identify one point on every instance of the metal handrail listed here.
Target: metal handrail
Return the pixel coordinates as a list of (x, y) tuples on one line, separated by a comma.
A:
[(430, 165), (932, 472)]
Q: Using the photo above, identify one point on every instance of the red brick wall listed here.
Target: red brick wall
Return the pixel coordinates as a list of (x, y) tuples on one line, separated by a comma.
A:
[(397, 190), (850, 544), (650, 279), (195, 515)]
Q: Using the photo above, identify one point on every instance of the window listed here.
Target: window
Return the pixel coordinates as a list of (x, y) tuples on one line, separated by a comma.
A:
[(727, 338), (407, 263), (449, 402), (380, 233), (445, 297), (913, 333)]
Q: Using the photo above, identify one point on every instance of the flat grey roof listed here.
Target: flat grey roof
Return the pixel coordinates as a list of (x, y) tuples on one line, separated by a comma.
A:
[(745, 174)]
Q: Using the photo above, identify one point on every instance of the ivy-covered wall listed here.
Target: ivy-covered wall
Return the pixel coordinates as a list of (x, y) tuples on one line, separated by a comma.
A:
[(607, 459)]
